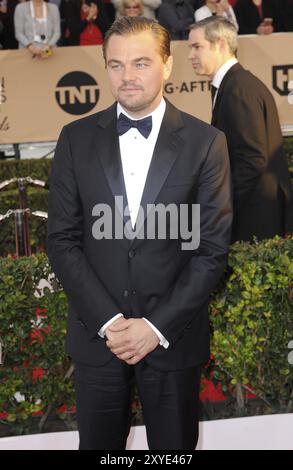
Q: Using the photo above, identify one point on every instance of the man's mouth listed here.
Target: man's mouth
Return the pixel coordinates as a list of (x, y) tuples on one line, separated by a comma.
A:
[(130, 88)]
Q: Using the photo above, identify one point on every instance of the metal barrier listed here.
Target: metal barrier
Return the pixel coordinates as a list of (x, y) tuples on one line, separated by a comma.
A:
[(21, 215)]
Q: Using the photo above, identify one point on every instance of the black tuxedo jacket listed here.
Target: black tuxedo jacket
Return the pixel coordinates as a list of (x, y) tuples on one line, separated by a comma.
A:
[(154, 279), (246, 112)]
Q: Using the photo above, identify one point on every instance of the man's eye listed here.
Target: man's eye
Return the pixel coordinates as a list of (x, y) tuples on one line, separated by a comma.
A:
[(141, 65), (116, 67)]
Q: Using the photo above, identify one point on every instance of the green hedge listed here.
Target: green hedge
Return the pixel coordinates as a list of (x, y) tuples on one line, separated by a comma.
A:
[(36, 168), (32, 330), (251, 315), (252, 319)]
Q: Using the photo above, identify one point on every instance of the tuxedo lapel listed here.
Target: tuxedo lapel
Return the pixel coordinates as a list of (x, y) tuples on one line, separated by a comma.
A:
[(109, 152), (221, 90), (168, 147)]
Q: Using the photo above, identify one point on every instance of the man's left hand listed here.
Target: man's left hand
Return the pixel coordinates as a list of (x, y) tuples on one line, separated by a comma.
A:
[(134, 343)]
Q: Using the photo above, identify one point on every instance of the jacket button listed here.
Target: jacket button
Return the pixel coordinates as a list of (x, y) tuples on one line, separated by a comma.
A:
[(131, 254), (133, 292), (125, 293)]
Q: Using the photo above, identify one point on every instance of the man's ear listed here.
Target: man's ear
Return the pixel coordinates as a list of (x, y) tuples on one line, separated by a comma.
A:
[(223, 45), (168, 67)]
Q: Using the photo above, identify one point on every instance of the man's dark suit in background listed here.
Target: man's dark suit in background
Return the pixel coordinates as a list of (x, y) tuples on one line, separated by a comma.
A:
[(245, 111)]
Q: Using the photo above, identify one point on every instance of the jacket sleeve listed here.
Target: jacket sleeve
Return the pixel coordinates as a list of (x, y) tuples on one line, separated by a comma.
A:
[(85, 291), (56, 25), (19, 20), (247, 143)]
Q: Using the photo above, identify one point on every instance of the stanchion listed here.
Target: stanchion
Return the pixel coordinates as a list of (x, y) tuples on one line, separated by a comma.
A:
[(21, 215)]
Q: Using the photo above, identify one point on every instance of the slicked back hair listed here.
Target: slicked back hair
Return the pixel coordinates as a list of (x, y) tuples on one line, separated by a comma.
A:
[(127, 25)]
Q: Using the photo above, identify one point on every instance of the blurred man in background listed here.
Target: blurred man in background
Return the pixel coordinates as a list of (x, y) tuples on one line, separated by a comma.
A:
[(244, 109)]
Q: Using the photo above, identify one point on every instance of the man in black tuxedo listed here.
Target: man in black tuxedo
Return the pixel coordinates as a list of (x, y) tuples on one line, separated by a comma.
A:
[(244, 109), (138, 304)]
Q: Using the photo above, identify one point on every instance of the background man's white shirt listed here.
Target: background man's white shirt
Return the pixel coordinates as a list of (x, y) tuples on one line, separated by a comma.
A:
[(220, 74)]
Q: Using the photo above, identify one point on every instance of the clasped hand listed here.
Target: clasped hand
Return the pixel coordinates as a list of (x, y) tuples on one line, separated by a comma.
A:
[(131, 339)]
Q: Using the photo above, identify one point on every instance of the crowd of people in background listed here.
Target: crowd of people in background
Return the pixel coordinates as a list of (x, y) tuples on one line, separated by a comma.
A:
[(39, 25)]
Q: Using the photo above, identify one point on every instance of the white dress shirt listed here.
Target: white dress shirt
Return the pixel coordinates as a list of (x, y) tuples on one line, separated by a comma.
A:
[(220, 74), (136, 155)]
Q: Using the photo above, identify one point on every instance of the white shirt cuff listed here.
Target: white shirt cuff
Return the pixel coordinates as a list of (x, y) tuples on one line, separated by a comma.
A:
[(163, 341), (101, 332)]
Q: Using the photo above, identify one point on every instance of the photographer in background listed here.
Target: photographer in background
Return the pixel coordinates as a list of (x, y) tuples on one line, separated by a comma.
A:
[(176, 16), (86, 22), (37, 27), (257, 16), (150, 7), (131, 8), (216, 8)]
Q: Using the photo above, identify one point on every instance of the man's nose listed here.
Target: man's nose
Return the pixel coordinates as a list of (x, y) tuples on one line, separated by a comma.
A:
[(191, 54), (129, 74)]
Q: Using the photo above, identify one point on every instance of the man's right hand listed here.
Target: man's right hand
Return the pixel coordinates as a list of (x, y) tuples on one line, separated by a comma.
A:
[(121, 325), (131, 340), (93, 12)]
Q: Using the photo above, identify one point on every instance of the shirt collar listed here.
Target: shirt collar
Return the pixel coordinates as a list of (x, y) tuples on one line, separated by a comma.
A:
[(220, 74)]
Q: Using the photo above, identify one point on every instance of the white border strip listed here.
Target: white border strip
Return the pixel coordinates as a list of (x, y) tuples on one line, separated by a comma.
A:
[(273, 432)]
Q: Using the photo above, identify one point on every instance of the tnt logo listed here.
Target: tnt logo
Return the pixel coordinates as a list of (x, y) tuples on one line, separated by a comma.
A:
[(290, 355), (3, 96), (77, 93), (282, 75)]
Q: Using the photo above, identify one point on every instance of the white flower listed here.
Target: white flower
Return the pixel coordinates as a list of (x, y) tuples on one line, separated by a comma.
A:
[(19, 397)]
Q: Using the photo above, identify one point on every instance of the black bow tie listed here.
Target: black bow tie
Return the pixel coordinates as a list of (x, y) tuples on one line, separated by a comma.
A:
[(143, 125)]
